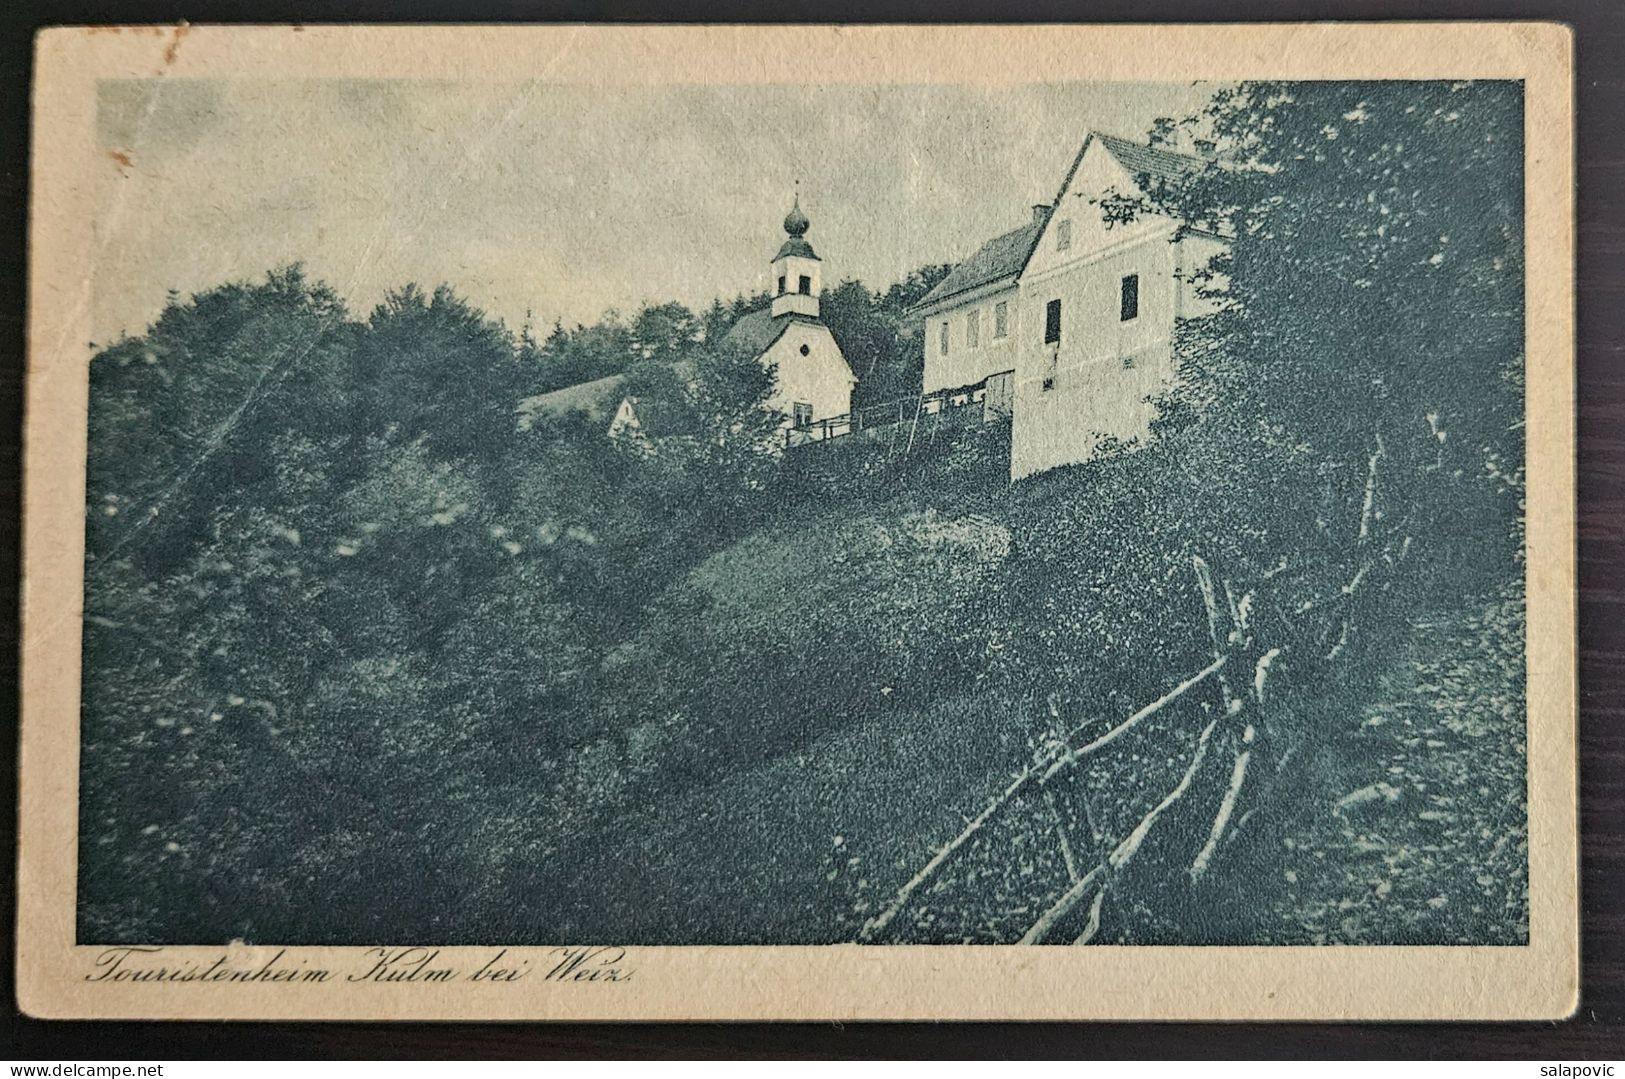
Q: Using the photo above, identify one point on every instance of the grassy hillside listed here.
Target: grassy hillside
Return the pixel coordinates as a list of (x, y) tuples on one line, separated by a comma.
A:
[(806, 715)]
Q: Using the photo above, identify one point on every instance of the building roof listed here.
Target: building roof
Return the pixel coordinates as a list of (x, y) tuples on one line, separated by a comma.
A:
[(597, 399), (795, 245), (795, 222), (659, 417), (755, 331), (1001, 257), (796, 225), (1141, 159), (1006, 256)]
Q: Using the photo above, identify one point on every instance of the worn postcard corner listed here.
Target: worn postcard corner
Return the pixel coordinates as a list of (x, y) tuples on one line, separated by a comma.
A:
[(806, 522)]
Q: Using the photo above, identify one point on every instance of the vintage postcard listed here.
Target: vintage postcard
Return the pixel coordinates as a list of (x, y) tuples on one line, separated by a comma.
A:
[(807, 522)]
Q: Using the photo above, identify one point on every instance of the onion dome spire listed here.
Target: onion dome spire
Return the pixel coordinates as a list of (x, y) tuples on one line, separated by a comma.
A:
[(795, 222), (795, 228)]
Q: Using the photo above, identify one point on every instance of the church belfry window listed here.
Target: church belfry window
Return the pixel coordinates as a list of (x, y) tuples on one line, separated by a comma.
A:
[(781, 286), (805, 285)]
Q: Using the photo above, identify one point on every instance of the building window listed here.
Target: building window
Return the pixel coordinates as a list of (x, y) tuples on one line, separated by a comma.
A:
[(781, 286), (942, 338), (973, 329), (801, 413), (1052, 323), (806, 285), (1001, 319), (1131, 297), (1063, 235)]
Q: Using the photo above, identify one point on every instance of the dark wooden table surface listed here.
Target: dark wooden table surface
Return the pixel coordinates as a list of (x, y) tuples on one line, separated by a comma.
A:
[(1598, 1030)]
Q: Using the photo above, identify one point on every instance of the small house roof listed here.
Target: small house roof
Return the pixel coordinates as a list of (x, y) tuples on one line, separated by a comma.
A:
[(597, 399), (999, 258)]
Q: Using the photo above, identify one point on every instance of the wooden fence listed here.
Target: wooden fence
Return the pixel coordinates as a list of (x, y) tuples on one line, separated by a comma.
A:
[(1044, 775), (1237, 687), (883, 414)]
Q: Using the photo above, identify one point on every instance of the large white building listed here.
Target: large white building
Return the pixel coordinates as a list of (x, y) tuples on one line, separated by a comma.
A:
[(1084, 323)]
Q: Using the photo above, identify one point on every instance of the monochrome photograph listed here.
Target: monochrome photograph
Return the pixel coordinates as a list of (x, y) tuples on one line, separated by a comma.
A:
[(1073, 512)]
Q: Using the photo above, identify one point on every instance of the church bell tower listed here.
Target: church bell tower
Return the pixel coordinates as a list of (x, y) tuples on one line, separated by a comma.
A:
[(797, 280)]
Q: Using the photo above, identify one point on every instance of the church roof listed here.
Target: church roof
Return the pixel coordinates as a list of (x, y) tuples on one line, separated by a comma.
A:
[(796, 225), (755, 331), (999, 258), (795, 245)]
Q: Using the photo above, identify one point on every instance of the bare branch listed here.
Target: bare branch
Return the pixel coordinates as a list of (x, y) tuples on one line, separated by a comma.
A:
[(1221, 623), (1060, 833), (1063, 906), (884, 918), (1072, 756), (1227, 806), (1131, 846), (1368, 507), (1125, 850), (1093, 926)]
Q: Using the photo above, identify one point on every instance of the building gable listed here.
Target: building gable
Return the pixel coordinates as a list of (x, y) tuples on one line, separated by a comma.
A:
[(1075, 228), (810, 369)]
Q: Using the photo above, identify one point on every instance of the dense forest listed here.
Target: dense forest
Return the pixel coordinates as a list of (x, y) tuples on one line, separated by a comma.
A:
[(365, 660)]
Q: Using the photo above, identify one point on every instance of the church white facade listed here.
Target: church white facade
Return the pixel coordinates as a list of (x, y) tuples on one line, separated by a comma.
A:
[(1089, 312), (812, 380)]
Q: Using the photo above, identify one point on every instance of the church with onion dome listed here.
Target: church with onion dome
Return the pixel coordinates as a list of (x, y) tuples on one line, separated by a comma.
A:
[(813, 381)]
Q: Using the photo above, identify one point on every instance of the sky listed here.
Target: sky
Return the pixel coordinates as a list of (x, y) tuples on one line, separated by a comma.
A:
[(560, 202)]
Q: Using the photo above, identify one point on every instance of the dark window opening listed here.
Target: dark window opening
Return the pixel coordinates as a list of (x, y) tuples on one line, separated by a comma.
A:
[(801, 413), (1052, 323), (1131, 297), (805, 350), (806, 284), (781, 286)]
